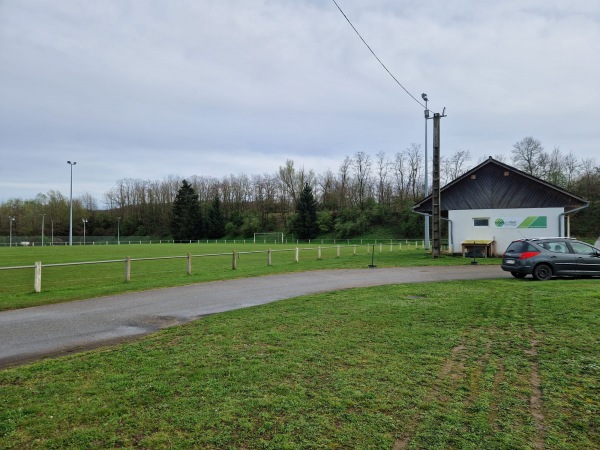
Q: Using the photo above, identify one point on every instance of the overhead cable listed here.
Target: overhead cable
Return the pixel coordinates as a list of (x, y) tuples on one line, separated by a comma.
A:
[(376, 57)]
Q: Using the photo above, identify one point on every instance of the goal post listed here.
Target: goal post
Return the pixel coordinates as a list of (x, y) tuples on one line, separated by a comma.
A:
[(274, 237)]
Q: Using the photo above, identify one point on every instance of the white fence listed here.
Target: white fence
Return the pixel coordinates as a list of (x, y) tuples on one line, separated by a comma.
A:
[(371, 248)]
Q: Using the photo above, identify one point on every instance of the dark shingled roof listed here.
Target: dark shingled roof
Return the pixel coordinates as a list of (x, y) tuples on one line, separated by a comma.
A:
[(495, 185)]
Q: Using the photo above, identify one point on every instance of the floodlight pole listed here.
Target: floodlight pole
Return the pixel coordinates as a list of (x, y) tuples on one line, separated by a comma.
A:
[(11, 219), (84, 222), (43, 217), (426, 173), (71, 204)]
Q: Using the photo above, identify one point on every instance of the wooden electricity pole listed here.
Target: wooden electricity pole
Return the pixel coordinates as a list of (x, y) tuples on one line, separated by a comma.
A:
[(435, 195)]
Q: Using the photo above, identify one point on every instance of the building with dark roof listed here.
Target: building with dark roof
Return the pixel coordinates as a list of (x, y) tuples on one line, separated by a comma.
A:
[(493, 204)]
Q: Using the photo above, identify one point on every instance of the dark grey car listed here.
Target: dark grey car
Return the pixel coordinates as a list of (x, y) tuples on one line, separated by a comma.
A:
[(548, 257)]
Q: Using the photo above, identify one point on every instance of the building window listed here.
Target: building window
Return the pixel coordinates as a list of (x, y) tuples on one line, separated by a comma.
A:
[(481, 222)]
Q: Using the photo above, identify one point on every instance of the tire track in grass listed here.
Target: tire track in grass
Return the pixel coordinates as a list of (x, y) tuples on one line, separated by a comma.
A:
[(453, 370), (468, 367), (535, 401)]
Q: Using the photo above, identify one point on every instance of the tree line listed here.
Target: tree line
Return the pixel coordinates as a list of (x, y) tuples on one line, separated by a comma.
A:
[(365, 191)]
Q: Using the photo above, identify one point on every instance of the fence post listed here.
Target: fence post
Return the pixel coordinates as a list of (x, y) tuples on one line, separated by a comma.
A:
[(380, 247), (297, 254), (354, 252), (338, 251), (391, 247), (233, 261), (269, 257), (128, 268), (319, 253), (37, 281), (189, 263)]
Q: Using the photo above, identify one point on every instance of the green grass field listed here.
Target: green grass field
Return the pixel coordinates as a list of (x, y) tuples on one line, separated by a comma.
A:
[(61, 284), (498, 364)]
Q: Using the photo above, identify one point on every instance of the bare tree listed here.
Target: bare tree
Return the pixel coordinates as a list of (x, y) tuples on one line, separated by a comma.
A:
[(454, 166), (528, 155), (383, 186), (571, 169), (400, 178), (344, 181), (362, 172), (414, 159), (290, 180)]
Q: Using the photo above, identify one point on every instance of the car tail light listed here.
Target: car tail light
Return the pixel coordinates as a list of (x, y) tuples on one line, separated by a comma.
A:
[(527, 255)]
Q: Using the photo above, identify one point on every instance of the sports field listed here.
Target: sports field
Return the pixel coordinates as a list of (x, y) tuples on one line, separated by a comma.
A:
[(497, 364)]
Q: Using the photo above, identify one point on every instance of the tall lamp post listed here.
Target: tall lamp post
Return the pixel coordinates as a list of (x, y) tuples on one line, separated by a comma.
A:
[(43, 217), (424, 96), (118, 231), (11, 219), (84, 222), (52, 241), (71, 204)]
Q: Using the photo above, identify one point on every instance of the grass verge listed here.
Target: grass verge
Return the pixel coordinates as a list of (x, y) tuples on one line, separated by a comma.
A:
[(480, 364)]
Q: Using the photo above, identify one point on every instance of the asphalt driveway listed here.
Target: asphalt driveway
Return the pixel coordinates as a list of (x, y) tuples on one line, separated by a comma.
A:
[(32, 333)]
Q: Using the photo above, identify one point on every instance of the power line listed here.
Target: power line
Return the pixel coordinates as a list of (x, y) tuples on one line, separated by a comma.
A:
[(371, 50)]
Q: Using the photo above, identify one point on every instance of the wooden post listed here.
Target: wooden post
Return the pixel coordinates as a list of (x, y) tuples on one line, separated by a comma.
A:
[(435, 191), (319, 252), (354, 252), (297, 254), (233, 261), (380, 247), (269, 257), (338, 251), (37, 282), (189, 263), (128, 268)]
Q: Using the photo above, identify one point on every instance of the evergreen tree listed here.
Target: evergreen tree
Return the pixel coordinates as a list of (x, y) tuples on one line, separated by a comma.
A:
[(215, 220), (187, 216), (305, 224)]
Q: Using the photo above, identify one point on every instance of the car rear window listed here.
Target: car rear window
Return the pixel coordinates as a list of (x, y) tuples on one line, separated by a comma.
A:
[(521, 247)]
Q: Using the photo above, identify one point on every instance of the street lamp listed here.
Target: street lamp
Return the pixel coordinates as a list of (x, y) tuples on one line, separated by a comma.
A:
[(11, 219), (71, 204), (43, 217), (84, 222), (118, 231), (52, 241), (424, 96)]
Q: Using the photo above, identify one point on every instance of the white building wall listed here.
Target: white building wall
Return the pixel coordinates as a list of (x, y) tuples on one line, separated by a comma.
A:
[(504, 225)]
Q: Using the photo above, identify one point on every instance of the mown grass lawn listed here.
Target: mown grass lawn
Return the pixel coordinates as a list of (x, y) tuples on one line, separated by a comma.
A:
[(498, 364), (66, 283)]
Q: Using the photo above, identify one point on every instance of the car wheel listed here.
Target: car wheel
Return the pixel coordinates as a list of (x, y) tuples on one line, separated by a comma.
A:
[(518, 274), (542, 272)]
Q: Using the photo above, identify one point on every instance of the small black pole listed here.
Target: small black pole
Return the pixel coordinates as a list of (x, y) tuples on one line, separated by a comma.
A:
[(372, 265), (474, 253)]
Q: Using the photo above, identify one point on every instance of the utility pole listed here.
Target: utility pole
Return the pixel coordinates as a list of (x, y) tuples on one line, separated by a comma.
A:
[(435, 195)]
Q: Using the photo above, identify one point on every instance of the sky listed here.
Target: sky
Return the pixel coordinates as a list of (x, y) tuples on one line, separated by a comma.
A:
[(154, 88)]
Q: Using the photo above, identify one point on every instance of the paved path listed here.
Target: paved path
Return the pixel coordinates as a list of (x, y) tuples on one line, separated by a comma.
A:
[(31, 333)]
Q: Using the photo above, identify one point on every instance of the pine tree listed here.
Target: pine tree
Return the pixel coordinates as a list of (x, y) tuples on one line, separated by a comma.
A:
[(215, 220), (187, 216), (305, 223)]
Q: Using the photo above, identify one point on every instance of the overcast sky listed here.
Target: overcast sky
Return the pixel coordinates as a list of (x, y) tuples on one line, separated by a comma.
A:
[(152, 88)]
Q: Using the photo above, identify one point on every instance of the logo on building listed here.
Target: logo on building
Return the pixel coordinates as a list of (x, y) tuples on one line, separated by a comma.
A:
[(520, 222)]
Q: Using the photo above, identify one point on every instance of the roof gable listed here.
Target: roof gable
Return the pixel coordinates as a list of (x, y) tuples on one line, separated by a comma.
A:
[(495, 185)]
